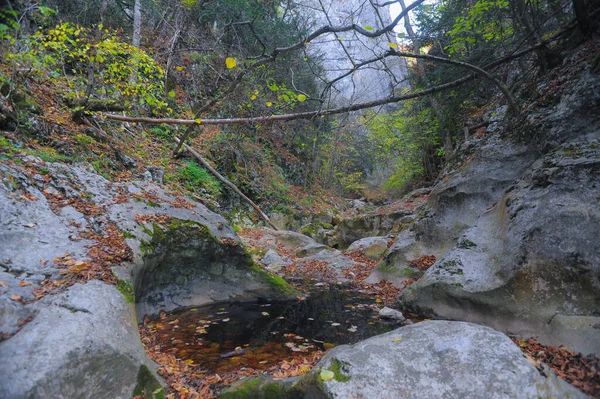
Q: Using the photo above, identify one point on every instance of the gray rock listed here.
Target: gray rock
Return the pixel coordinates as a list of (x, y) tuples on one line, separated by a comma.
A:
[(272, 260), (531, 258), (292, 239), (31, 234), (157, 172), (310, 249), (349, 230), (84, 341), (372, 247), (438, 359), (389, 313), (76, 346), (528, 262)]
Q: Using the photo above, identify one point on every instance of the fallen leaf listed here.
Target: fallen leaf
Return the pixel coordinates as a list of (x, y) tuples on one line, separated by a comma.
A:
[(16, 297), (24, 284), (397, 340), (326, 375), (230, 63), (3, 284)]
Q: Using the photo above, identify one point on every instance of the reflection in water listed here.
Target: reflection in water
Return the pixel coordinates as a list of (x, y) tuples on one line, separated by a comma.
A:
[(241, 334)]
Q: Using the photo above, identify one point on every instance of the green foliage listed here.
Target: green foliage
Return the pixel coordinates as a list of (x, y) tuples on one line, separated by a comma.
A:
[(68, 53), (162, 131), (401, 139), (127, 290), (485, 21), (197, 178)]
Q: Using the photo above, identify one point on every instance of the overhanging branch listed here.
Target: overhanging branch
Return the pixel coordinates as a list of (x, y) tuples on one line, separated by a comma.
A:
[(287, 117)]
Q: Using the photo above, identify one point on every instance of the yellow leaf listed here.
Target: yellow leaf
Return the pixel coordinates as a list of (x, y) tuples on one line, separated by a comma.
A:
[(326, 375), (230, 63), (269, 103), (393, 45), (301, 98), (253, 98), (180, 68), (397, 340)]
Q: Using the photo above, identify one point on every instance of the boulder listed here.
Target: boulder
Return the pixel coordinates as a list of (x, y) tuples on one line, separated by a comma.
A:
[(349, 230), (529, 264), (372, 247), (273, 261), (427, 360), (392, 314), (436, 359), (81, 343)]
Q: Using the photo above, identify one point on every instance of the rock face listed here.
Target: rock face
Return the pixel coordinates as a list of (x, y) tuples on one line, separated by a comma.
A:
[(520, 255), (432, 359), (62, 226), (81, 343), (437, 359)]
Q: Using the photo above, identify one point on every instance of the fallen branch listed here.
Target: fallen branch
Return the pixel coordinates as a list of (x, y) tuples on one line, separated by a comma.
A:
[(227, 183), (287, 117)]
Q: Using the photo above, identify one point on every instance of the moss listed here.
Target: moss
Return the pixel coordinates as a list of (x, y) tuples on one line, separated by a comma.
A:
[(158, 234), (273, 280), (253, 388), (310, 230), (258, 252), (147, 385), (450, 264), (149, 203), (453, 267), (129, 235), (336, 368), (127, 290), (388, 267), (327, 226), (407, 272), (200, 229)]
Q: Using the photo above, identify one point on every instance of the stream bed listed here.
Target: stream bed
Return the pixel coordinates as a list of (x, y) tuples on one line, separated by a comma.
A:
[(234, 335)]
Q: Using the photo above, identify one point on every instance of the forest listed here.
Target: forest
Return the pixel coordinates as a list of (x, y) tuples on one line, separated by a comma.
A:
[(187, 187)]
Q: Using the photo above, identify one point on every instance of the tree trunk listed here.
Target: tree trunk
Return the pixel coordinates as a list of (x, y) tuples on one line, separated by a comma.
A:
[(137, 23)]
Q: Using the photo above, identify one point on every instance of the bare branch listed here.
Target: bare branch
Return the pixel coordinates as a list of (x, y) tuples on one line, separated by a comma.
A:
[(226, 182), (287, 117), (509, 98)]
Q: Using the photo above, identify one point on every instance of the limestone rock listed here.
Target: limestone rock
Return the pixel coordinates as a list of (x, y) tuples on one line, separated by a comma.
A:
[(372, 247), (389, 313), (82, 343), (273, 261), (437, 359)]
